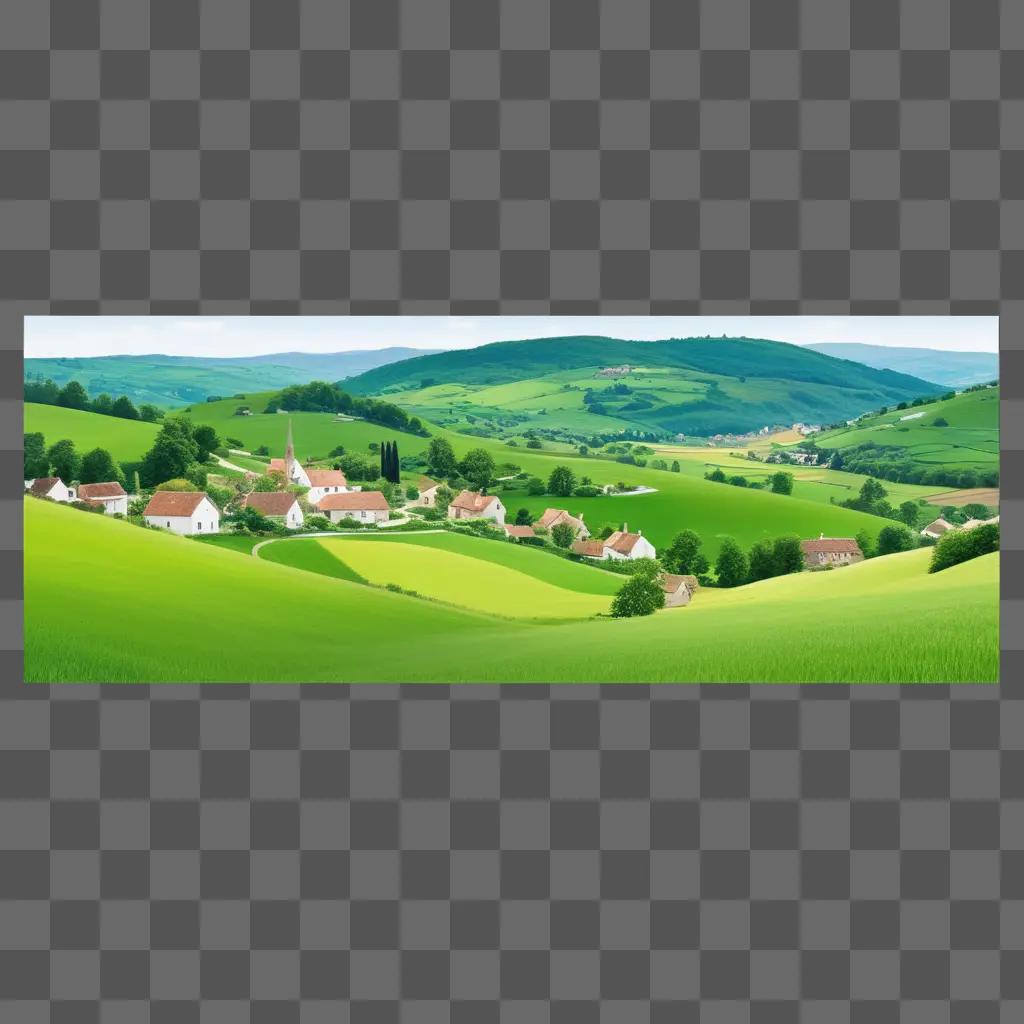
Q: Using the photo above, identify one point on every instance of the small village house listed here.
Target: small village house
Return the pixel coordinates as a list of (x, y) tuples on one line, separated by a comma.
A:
[(474, 505), (362, 506), (183, 512), (278, 506), (428, 495), (834, 551), (519, 532), (619, 546), (51, 487), (111, 496), (678, 589), (552, 517), (936, 528), (323, 482)]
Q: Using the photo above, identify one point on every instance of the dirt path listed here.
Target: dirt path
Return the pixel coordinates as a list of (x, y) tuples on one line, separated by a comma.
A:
[(230, 465)]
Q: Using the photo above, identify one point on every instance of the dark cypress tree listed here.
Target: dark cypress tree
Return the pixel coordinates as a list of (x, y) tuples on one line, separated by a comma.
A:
[(396, 468), (384, 460)]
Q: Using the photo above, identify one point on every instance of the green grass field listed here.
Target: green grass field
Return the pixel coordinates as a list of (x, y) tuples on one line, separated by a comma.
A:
[(507, 580), (107, 601), (126, 440)]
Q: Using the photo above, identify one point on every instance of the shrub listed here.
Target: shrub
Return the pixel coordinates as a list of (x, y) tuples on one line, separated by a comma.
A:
[(563, 535), (958, 546), (892, 539), (641, 594), (586, 491)]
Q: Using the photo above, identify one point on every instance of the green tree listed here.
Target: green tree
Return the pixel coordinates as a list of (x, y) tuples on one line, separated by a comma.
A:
[(583, 450), (66, 462), (103, 404), (788, 555), (98, 467), (356, 468), (894, 538), (957, 546), (125, 408), (675, 465), (641, 594), (872, 491), (731, 566), (477, 467), (206, 440), (717, 475), (975, 510), (940, 421), (149, 413), (866, 543), (174, 451), (684, 555), (177, 484), (440, 458), (412, 492), (907, 513), (73, 396), (782, 483), (762, 560), (36, 462), (523, 517), (444, 497), (535, 485), (562, 534), (562, 481)]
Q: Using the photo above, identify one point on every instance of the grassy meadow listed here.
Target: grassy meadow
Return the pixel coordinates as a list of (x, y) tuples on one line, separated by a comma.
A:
[(107, 601), (126, 440)]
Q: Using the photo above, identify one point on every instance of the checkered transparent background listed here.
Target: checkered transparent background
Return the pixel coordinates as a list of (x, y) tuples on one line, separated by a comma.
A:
[(515, 854)]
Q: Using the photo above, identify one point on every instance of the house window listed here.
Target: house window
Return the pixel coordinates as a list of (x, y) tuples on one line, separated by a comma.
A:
[(168, 524), (199, 525)]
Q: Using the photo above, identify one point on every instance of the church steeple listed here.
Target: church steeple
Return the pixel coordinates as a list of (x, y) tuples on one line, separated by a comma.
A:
[(289, 454)]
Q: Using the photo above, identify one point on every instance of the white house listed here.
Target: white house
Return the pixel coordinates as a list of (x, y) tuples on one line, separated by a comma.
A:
[(428, 496), (110, 495), (51, 487), (183, 512), (282, 505), (678, 589), (323, 482), (363, 506), (474, 505), (552, 517), (620, 545)]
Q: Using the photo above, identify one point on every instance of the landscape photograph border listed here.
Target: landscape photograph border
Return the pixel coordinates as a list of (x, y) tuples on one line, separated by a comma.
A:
[(483, 854)]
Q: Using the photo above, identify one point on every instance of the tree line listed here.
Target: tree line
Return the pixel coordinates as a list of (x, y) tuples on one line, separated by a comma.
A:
[(74, 396), (320, 396)]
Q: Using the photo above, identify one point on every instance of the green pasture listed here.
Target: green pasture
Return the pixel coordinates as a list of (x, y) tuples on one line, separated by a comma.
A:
[(106, 601), (126, 440)]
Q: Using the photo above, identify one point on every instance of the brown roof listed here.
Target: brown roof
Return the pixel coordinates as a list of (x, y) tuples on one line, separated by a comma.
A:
[(591, 548), (553, 516), (270, 503), (43, 486), (174, 503), (108, 490), (473, 501), (519, 531), (91, 502), (426, 484), (938, 526), (671, 583), (354, 501), (831, 545), (326, 478), (622, 542), (276, 465)]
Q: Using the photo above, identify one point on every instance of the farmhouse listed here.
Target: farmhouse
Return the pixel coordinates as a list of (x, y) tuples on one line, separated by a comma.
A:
[(182, 512), (936, 528), (678, 589), (620, 546), (474, 505), (111, 496), (51, 487), (830, 551), (363, 506), (323, 482), (277, 505), (519, 532), (554, 516), (428, 495), (588, 548)]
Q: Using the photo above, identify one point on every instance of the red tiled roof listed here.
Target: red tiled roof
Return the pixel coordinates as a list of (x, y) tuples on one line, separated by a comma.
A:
[(473, 501), (590, 548), (553, 516), (43, 486), (831, 545), (621, 542), (270, 503), (354, 501), (174, 503), (519, 531), (326, 478), (276, 466), (107, 490)]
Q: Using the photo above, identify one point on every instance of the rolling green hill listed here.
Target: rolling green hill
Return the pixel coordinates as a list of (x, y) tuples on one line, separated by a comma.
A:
[(176, 380), (106, 601), (126, 440), (969, 441), (697, 386)]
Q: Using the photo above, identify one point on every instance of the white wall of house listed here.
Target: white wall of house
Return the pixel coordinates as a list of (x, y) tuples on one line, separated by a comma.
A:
[(360, 515), (205, 519), (427, 498), (114, 505), (495, 511), (316, 493), (294, 519), (680, 597), (643, 548)]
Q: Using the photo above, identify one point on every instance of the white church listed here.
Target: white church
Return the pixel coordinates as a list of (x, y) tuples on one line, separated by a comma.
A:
[(320, 482)]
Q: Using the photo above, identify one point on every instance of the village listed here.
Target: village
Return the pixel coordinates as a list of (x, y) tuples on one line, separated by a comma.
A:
[(327, 493)]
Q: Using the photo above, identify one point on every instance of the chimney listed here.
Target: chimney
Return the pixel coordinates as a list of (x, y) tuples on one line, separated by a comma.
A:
[(625, 527), (821, 536), (639, 533)]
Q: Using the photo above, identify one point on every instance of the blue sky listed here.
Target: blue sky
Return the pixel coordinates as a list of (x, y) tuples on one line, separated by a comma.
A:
[(241, 336)]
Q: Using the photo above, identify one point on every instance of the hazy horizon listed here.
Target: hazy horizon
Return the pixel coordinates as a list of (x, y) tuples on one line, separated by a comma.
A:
[(226, 337)]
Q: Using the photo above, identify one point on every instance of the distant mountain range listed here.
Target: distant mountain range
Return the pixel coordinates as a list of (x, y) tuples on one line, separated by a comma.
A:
[(181, 380), (954, 369)]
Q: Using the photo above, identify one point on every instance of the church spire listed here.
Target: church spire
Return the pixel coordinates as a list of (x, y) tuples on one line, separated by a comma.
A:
[(289, 453)]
